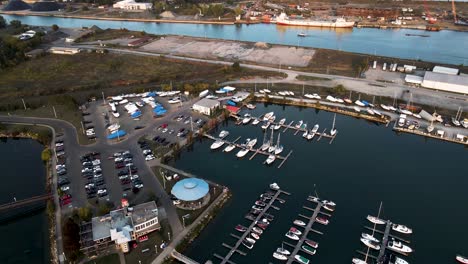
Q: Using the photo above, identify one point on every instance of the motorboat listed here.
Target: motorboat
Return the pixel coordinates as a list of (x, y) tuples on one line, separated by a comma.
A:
[(461, 259), (315, 128), (329, 207), (252, 143), (370, 111), (282, 93), (262, 226), (399, 247), (282, 121), (257, 230), (384, 107), (304, 135), (310, 135), (272, 119), (406, 112), (251, 106), (265, 125), (417, 116), (299, 223), (255, 121), (357, 109), (377, 112), (455, 121), (247, 118), (313, 198), (347, 100), (278, 149), (242, 153), (331, 203), (401, 261), (464, 123), (311, 243), (265, 221), (301, 259), (358, 261), (309, 96), (250, 240), (299, 124), (330, 98), (316, 96), (266, 91), (260, 203), (295, 231), (255, 235), (304, 126), (322, 220), (270, 159), (279, 256), (223, 134), (229, 148), (292, 236), (241, 228), (302, 34), (247, 244), (277, 126), (283, 251), (393, 109), (370, 243), (308, 250), (375, 220), (339, 100), (113, 127), (402, 229), (217, 144), (274, 186), (267, 116), (257, 208), (359, 103), (369, 237)]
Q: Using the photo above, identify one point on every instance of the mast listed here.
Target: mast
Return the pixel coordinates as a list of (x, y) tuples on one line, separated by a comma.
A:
[(278, 142), (271, 139), (350, 92), (264, 138), (333, 126)]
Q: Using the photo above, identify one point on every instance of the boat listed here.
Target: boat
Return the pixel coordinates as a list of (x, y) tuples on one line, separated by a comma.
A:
[(375, 220), (251, 106), (257, 208), (229, 148), (265, 125), (400, 261), (267, 116), (455, 121), (347, 100), (266, 144), (330, 98), (255, 121), (331, 203), (304, 135), (301, 259), (299, 124), (315, 128), (223, 134), (308, 249), (274, 186), (283, 251), (255, 235), (461, 259), (299, 223), (262, 226), (247, 118), (384, 107), (113, 127), (282, 93), (266, 91), (417, 116), (339, 100), (370, 243), (369, 237), (310, 135), (358, 261), (370, 111), (339, 22), (377, 112), (329, 207), (279, 256), (397, 246), (302, 34), (464, 123), (217, 144), (282, 121), (252, 143), (278, 147), (313, 198), (430, 128), (359, 103), (241, 228), (402, 229), (242, 153), (295, 231), (292, 236), (333, 130), (311, 243), (277, 126), (257, 230), (310, 96), (250, 240), (247, 244), (322, 220), (406, 112), (357, 109), (117, 134), (270, 159), (304, 126)]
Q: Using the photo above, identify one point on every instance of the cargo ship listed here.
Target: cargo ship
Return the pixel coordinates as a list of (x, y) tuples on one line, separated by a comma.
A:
[(283, 19)]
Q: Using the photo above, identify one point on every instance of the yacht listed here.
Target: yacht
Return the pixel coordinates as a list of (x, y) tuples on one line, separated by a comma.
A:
[(369, 237), (279, 256), (265, 125), (315, 128), (311, 243), (375, 220), (229, 148), (242, 153), (301, 259), (397, 246), (252, 143), (406, 112), (299, 223), (282, 93), (270, 159), (247, 118), (217, 144), (330, 98), (370, 243), (339, 100), (299, 124), (461, 259), (308, 249), (402, 229), (358, 261), (266, 91), (274, 186), (255, 121), (322, 220), (223, 134), (292, 236), (267, 116), (295, 231)]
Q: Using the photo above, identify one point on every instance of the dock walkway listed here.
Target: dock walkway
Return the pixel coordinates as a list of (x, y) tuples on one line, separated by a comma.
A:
[(385, 240)]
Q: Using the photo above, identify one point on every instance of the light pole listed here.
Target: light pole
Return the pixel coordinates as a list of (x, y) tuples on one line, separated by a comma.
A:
[(169, 235), (156, 248)]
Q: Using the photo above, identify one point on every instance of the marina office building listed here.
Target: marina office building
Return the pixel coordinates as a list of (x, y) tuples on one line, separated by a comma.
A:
[(119, 227), (206, 106)]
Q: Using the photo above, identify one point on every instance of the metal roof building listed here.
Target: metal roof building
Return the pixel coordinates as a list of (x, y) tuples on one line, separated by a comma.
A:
[(205, 106), (445, 82), (190, 189)]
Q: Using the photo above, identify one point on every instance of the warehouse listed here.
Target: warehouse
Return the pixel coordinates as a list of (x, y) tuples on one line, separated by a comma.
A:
[(446, 82), (132, 5), (205, 106)]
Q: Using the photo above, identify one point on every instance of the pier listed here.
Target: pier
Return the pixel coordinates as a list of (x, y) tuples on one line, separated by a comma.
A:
[(25, 202), (385, 240), (235, 248), (182, 258), (426, 134)]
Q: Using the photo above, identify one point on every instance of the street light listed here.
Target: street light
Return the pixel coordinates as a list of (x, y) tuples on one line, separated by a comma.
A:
[(169, 235)]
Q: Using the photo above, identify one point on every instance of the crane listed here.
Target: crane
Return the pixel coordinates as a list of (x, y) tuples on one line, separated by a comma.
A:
[(430, 19), (456, 20)]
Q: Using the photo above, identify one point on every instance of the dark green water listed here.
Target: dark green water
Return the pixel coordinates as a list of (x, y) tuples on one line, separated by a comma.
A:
[(422, 184), (24, 239)]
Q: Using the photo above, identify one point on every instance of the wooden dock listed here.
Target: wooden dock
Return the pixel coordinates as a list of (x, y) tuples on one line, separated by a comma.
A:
[(235, 248), (390, 235), (385, 240), (425, 134)]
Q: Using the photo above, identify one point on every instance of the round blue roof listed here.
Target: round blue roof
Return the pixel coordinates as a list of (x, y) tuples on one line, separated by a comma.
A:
[(190, 189)]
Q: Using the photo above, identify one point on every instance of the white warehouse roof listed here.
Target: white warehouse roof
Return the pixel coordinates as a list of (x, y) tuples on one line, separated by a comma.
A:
[(409, 78), (208, 103), (445, 82), (446, 70)]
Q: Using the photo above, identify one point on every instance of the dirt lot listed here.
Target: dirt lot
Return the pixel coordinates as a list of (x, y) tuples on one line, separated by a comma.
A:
[(230, 50)]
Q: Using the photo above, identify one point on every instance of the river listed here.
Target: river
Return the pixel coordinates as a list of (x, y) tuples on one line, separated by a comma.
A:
[(422, 184), (24, 239), (445, 46)]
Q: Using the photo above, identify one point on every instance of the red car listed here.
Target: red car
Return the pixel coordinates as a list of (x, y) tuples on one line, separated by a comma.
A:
[(164, 125), (65, 197), (66, 202)]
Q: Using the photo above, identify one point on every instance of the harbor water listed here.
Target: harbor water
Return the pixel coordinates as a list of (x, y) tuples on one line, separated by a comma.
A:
[(445, 46), (25, 239), (422, 184)]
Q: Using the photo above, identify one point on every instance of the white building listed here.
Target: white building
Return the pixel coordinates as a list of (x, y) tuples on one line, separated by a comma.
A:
[(132, 5), (63, 50), (446, 70), (446, 82), (205, 106)]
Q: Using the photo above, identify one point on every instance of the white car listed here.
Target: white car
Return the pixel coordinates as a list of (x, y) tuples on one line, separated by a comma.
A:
[(147, 152), (139, 186), (65, 188), (134, 177), (96, 162), (149, 157), (118, 159), (101, 191)]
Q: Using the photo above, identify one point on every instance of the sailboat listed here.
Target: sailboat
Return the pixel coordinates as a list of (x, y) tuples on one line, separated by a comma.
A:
[(283, 251), (333, 130), (278, 147), (272, 146), (266, 144), (430, 128)]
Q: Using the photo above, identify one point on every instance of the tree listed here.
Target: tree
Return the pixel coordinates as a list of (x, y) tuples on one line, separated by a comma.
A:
[(217, 10), (71, 239), (236, 66), (15, 23), (45, 155), (3, 22), (85, 214), (55, 27), (238, 11)]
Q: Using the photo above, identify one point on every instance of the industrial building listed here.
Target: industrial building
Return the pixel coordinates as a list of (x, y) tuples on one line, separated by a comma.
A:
[(206, 106), (132, 5), (445, 82), (365, 12)]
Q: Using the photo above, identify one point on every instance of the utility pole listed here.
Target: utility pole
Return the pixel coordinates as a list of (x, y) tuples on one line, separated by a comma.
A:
[(82, 127), (103, 98), (169, 235), (55, 113), (24, 104)]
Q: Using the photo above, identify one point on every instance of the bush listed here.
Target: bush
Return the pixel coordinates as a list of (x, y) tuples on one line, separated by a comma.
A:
[(236, 66), (55, 27), (45, 155), (3, 23), (15, 23)]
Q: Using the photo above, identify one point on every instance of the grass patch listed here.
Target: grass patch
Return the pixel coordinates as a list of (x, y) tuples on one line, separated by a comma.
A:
[(109, 34), (311, 78), (109, 259)]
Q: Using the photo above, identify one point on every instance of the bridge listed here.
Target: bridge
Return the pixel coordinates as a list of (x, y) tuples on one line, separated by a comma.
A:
[(182, 258), (25, 202)]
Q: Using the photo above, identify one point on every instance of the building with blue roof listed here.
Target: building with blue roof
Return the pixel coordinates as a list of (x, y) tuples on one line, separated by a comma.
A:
[(192, 193)]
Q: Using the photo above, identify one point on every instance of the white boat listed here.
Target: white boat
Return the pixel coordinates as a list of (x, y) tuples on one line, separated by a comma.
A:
[(282, 121), (455, 121), (369, 237), (370, 111), (384, 107), (114, 127), (283, 251), (375, 220), (266, 91), (278, 147), (252, 143), (315, 128), (464, 123), (377, 112), (304, 135), (282, 93), (255, 121), (292, 236), (272, 119), (174, 100), (203, 94), (251, 106), (330, 98), (302, 34), (267, 116), (250, 240), (301, 259), (316, 96), (223, 134), (397, 246), (370, 243), (274, 186), (401, 261), (310, 96), (357, 109), (277, 127), (265, 125), (270, 159), (217, 144), (257, 230), (229, 148), (333, 130), (266, 144), (357, 102), (299, 222), (358, 261), (242, 153), (246, 119), (402, 229), (279, 256), (417, 116), (255, 235), (299, 124), (331, 203), (339, 100), (295, 231), (461, 259), (339, 22), (392, 108), (406, 112), (247, 244)]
